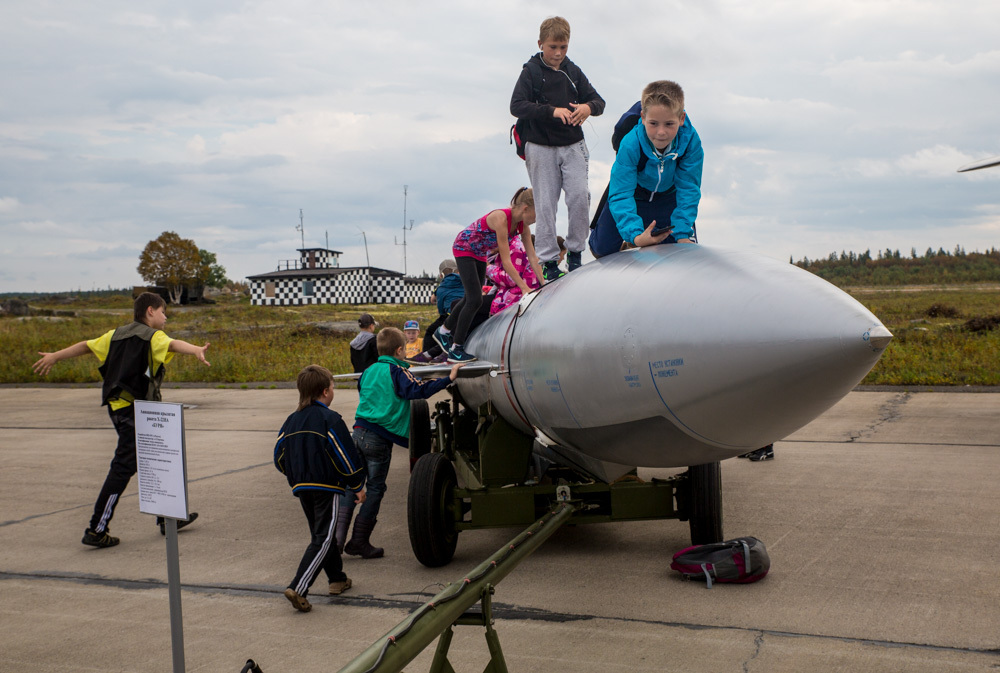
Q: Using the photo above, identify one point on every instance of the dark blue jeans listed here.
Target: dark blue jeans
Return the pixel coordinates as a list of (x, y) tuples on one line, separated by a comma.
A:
[(605, 238), (377, 452)]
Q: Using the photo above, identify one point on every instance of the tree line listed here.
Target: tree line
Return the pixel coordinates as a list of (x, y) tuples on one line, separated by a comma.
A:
[(890, 267)]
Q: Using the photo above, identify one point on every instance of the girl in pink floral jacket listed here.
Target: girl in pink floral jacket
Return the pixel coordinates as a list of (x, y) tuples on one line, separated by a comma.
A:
[(507, 290)]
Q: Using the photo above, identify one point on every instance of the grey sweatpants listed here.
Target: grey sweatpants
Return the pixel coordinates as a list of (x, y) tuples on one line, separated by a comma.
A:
[(553, 170)]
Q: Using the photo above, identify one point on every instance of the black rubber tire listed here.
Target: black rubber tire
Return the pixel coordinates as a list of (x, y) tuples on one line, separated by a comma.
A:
[(704, 492), (429, 512), (421, 437)]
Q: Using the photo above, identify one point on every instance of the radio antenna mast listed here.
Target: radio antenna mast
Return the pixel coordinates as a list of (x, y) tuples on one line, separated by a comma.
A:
[(405, 187), (301, 228)]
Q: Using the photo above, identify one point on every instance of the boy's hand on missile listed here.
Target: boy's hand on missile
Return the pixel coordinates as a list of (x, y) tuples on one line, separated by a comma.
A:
[(647, 237), (453, 374), (686, 240)]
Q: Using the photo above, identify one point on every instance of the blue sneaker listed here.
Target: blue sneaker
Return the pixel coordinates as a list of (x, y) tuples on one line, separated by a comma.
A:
[(551, 270), (457, 354), (444, 340)]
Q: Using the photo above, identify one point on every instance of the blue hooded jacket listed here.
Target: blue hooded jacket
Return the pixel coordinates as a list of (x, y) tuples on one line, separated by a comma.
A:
[(678, 168), (448, 291)]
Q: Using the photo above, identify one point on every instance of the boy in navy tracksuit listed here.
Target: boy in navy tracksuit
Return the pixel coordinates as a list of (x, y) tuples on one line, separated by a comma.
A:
[(316, 455), (382, 419)]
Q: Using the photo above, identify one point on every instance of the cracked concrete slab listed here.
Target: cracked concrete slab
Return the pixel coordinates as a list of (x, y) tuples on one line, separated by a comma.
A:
[(880, 518)]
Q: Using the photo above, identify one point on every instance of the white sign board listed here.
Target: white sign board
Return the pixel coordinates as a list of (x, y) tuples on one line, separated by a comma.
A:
[(162, 460)]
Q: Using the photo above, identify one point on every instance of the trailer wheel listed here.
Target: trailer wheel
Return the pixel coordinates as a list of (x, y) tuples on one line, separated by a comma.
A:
[(421, 437), (704, 506), (429, 512)]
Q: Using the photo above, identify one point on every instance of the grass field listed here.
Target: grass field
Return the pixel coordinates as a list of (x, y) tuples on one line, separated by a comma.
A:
[(255, 344)]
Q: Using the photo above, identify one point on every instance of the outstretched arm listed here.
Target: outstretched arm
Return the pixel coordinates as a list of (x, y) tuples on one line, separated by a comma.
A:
[(183, 347), (44, 364)]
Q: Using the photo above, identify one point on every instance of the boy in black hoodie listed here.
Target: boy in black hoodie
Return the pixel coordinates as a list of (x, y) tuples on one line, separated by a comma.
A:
[(317, 456), (364, 353), (554, 97)]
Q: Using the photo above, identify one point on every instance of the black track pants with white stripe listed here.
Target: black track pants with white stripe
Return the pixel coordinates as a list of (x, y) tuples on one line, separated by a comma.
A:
[(123, 467), (322, 552)]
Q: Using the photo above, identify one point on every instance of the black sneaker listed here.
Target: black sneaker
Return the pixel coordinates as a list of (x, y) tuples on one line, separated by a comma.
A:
[(763, 453), (551, 270), (99, 539), (574, 260), (444, 339), (457, 354), (180, 523)]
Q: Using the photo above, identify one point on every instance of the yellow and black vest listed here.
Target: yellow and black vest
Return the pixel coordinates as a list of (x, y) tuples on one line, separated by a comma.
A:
[(129, 365)]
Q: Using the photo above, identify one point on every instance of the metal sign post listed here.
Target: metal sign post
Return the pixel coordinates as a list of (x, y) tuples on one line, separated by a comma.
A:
[(162, 470)]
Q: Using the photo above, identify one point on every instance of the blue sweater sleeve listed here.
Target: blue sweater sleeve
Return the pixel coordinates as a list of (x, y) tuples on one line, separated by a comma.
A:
[(621, 193), (279, 450), (687, 181), (345, 455), (409, 387)]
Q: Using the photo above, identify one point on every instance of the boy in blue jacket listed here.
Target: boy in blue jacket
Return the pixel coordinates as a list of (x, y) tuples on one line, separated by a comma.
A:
[(448, 291), (382, 419), (656, 178), (316, 455)]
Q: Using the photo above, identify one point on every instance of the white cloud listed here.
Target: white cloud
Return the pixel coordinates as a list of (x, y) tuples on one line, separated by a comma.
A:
[(826, 124)]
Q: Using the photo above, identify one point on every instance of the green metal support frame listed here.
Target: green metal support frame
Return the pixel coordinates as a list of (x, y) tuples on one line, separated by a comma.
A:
[(492, 459), (406, 640), (497, 663)]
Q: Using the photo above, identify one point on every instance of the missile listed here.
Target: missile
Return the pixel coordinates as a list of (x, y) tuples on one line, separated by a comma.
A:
[(982, 163), (671, 355)]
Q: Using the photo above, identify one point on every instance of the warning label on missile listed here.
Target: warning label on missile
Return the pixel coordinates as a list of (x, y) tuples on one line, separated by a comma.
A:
[(666, 368)]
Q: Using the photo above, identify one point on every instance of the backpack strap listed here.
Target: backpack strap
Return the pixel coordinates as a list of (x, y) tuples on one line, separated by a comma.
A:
[(746, 556), (535, 73), (708, 575)]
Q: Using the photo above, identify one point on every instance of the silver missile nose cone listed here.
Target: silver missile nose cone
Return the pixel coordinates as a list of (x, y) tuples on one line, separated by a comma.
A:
[(879, 337)]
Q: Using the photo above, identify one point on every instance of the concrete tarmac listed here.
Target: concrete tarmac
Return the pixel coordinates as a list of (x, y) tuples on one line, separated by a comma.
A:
[(881, 519)]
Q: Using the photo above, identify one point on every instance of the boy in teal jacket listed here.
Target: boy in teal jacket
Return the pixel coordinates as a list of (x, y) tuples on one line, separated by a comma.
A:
[(656, 178), (382, 419)]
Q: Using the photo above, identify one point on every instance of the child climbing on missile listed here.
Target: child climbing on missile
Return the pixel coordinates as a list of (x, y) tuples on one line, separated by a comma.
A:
[(507, 291), (656, 178), (491, 232)]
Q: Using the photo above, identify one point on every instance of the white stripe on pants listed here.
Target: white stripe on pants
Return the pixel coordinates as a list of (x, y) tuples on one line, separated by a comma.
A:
[(553, 170)]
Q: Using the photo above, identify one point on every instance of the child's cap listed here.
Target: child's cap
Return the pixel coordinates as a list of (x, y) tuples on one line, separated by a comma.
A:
[(411, 324), (366, 320), (447, 266)]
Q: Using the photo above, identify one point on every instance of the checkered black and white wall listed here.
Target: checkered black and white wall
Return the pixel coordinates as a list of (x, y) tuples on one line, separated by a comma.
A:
[(349, 287)]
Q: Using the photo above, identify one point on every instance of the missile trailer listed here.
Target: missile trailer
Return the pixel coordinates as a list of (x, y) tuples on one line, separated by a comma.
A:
[(662, 357), (470, 469)]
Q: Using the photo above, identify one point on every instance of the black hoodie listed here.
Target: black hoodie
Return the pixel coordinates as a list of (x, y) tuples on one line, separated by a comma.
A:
[(556, 88)]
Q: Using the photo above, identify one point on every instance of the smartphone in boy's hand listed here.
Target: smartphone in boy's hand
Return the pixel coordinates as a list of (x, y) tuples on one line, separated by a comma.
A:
[(657, 229)]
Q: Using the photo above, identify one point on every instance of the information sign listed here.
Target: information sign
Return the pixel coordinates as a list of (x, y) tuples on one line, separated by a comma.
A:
[(162, 460)]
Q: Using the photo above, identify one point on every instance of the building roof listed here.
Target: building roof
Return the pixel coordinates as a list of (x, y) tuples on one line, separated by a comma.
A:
[(325, 273), (336, 252)]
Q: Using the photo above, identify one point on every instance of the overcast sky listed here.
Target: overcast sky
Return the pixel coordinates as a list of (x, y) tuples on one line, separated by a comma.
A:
[(827, 125)]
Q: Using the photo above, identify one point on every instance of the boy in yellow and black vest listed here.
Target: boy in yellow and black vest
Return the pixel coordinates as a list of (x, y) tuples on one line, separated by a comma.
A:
[(381, 420), (132, 364)]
